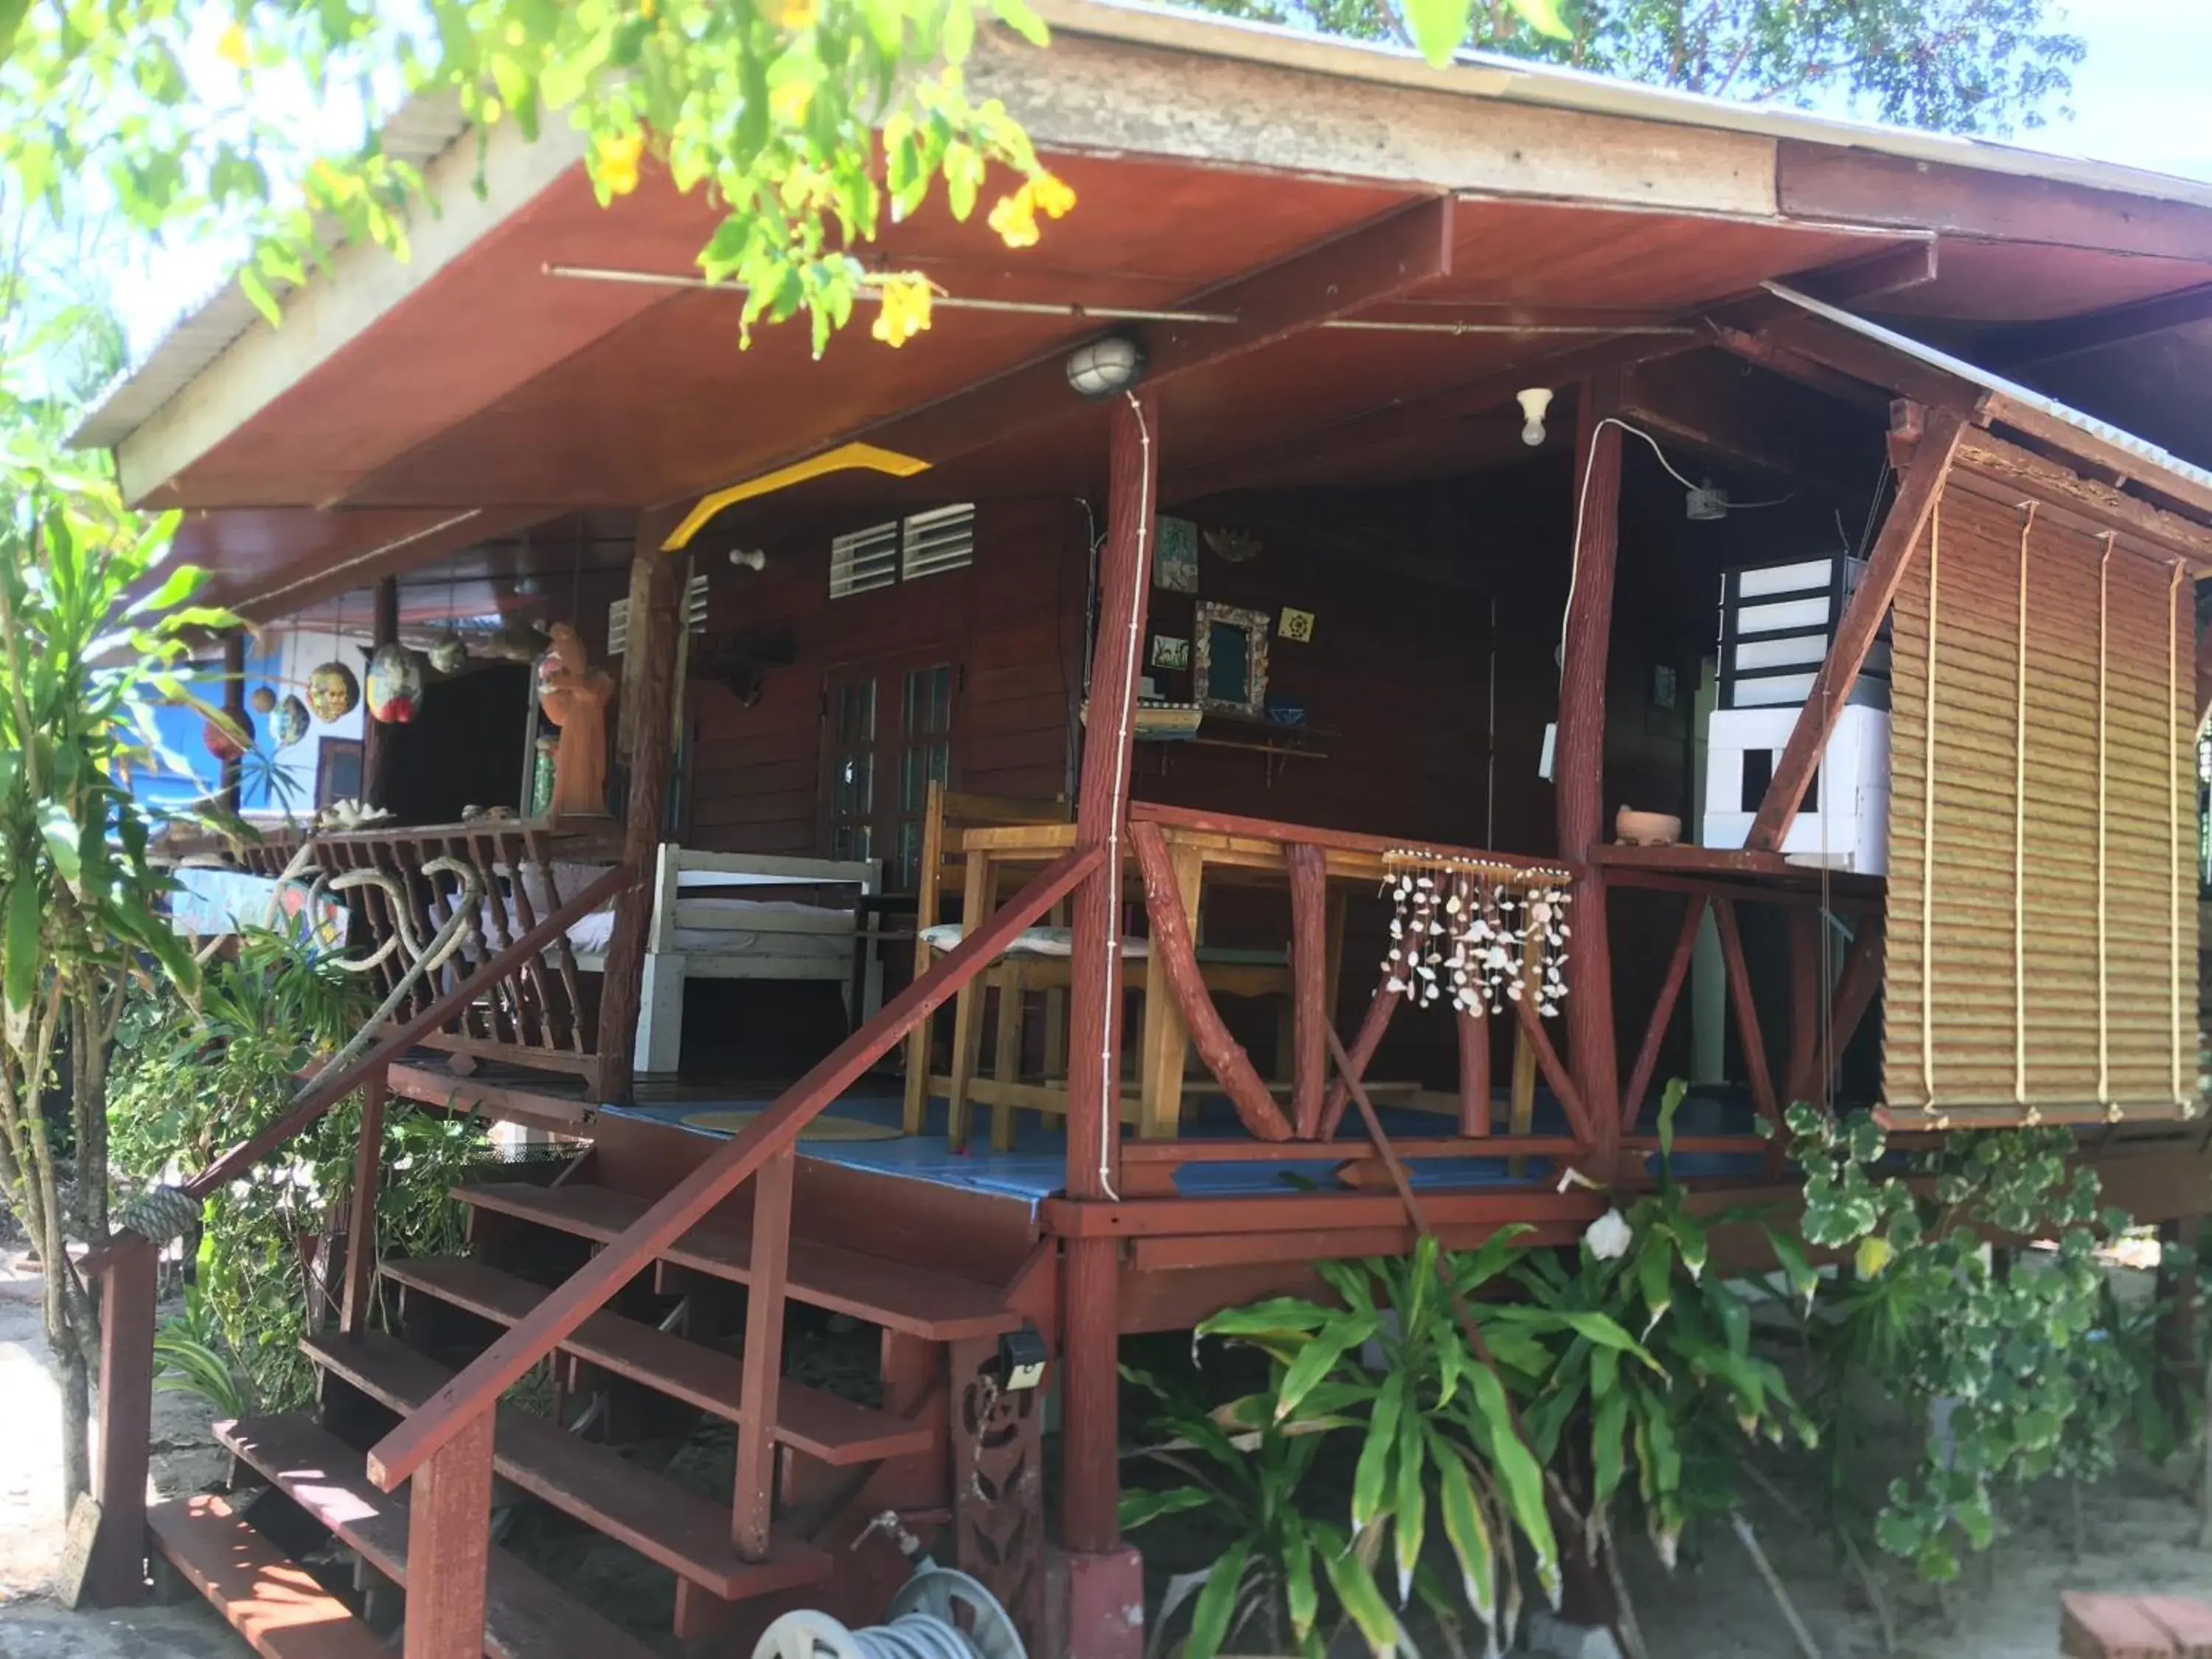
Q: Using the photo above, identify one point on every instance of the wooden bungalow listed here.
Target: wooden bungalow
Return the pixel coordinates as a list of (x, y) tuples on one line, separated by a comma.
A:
[(1191, 816)]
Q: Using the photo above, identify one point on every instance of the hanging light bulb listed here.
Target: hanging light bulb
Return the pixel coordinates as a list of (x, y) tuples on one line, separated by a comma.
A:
[(1535, 403), (1100, 368)]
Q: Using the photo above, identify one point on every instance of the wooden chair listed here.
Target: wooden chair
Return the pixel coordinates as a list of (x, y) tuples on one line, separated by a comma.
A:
[(943, 870)]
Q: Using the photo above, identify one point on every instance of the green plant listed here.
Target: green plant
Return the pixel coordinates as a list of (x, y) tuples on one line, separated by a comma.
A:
[(2005, 1353), (1681, 1420), (1242, 1468), (191, 1357), (1437, 1427)]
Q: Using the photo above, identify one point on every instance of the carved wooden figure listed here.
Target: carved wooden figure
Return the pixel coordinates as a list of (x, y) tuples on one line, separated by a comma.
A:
[(573, 695)]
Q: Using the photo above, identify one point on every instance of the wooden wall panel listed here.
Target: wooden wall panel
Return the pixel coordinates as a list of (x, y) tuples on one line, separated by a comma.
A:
[(2042, 943), (1010, 621)]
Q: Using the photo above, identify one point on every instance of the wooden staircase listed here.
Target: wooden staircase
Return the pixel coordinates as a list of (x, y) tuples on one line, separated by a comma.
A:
[(630, 1367)]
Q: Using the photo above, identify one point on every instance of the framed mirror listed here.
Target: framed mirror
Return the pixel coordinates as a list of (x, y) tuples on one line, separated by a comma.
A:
[(1229, 659)]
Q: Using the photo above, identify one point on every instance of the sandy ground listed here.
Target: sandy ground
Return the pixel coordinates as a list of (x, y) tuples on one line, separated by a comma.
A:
[(2141, 1536), (31, 1625)]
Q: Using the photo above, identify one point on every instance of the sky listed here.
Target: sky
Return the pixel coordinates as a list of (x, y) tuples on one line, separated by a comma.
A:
[(2142, 97)]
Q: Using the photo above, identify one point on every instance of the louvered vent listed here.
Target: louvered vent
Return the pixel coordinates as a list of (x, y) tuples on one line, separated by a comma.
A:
[(865, 560), (934, 542), (694, 616), (2042, 917)]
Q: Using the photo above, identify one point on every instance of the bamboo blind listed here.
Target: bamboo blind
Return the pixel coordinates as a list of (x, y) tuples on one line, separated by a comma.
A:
[(2042, 925)]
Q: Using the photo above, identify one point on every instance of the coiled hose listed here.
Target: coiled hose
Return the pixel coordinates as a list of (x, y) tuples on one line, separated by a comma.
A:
[(938, 1614)]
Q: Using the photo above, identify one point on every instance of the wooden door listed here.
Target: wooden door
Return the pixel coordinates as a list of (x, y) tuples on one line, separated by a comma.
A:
[(888, 734)]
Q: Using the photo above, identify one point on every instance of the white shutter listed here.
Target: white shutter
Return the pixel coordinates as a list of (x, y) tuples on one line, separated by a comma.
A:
[(939, 541), (694, 616), (863, 560)]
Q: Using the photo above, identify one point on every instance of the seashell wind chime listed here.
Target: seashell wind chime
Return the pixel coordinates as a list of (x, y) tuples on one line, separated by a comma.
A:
[(1481, 936)]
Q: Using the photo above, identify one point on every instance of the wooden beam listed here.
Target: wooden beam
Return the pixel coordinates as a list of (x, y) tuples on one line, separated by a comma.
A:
[(754, 1487), (2018, 344), (376, 737), (1171, 948), (115, 1575), (361, 1207), (1856, 989), (471, 1395), (1578, 774), (1663, 1010), (1826, 181), (1378, 261), (1749, 1035), (1310, 1014), (1706, 400), (1402, 422), (449, 1546), (1091, 1380), (1756, 348), (1877, 276), (1917, 493), (1880, 365), (1377, 1021), (649, 690)]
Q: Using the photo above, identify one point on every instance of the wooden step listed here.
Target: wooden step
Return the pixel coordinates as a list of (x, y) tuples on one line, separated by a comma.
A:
[(894, 1294), (273, 1602), (668, 1524), (525, 1616), (820, 1423)]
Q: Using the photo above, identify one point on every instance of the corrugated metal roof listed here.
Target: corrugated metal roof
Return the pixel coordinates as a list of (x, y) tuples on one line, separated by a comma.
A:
[(2163, 460), (422, 130)]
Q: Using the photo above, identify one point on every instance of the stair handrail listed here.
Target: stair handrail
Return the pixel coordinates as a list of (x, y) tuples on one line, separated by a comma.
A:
[(472, 1394), (311, 1102)]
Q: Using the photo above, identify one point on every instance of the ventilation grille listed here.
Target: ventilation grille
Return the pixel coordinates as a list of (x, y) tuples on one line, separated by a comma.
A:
[(939, 541), (695, 615), (863, 560)]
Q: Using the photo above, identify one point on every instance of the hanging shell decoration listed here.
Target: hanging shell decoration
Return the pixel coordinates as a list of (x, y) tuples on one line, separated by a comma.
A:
[(262, 700), (449, 652), (1483, 943), (333, 691), (223, 743), (290, 723), (395, 684)]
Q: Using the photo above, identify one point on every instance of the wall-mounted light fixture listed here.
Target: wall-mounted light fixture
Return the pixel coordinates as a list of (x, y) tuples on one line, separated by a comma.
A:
[(749, 558), (1535, 403), (1108, 364)]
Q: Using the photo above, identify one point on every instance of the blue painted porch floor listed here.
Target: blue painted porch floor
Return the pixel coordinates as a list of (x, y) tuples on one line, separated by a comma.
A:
[(1034, 1168)]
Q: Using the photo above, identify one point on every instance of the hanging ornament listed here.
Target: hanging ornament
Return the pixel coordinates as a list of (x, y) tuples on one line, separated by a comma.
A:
[(262, 700), (1484, 936), (395, 684), (449, 652), (515, 643), (290, 724), (333, 691), (225, 744)]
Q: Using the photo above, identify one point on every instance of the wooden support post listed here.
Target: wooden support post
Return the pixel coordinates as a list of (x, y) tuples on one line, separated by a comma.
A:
[(116, 1574), (1167, 1038), (449, 1545), (648, 691), (1380, 1007), (1474, 1070), (763, 1357), (1809, 996), (1090, 1389), (233, 708), (1662, 1012), (1579, 754), (360, 1207), (1747, 1015), (1919, 490), (1856, 987), (1309, 1010), (375, 736)]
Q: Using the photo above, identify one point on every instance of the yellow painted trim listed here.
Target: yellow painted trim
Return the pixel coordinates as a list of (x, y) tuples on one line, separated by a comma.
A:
[(844, 459)]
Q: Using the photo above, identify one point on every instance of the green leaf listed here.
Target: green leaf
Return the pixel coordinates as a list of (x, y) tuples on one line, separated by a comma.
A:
[(1409, 1521), (1609, 1426), (1518, 1475), (1140, 1508), (1319, 1356), (1372, 1472), (1020, 16), (1217, 1603), (1300, 1594), (256, 290), (1670, 1101), (20, 974), (1804, 1278), (1543, 16), (1467, 1531), (1438, 27), (1362, 1597)]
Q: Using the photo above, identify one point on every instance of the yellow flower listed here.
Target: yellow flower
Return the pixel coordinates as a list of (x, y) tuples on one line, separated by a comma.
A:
[(789, 102), (904, 311), (1014, 217), (618, 158), (796, 13), (232, 47)]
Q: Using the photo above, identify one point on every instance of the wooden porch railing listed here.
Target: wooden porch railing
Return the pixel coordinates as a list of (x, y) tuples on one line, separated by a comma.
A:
[(125, 1266), (1317, 1102), (543, 1011), (446, 1447)]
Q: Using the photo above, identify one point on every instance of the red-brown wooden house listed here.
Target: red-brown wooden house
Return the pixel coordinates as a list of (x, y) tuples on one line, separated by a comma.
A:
[(935, 609)]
